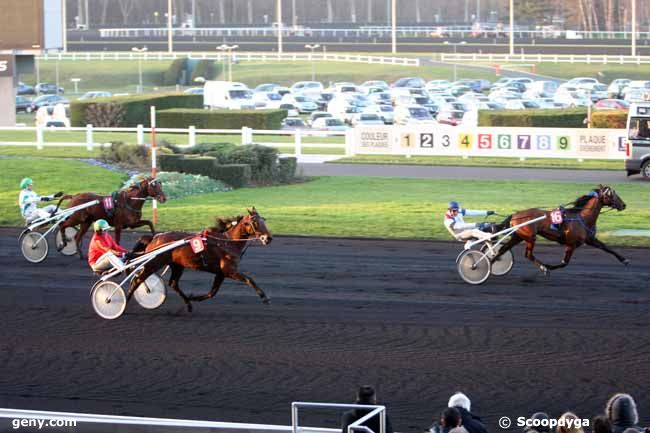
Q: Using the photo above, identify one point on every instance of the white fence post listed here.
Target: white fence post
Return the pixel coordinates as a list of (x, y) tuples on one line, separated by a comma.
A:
[(349, 142), (297, 137), (192, 136), (140, 135), (89, 136), (39, 137), (246, 135)]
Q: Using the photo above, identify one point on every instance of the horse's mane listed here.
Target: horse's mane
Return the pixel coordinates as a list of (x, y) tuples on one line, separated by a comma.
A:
[(581, 201), (223, 224)]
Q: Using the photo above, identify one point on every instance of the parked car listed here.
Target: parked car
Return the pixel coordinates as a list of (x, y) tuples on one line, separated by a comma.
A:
[(572, 98), (428, 104), (437, 85), (582, 80), (293, 123), (194, 91), (595, 91), (269, 99), (101, 94), (23, 104), (302, 103), (317, 115), (412, 114), (612, 104), (312, 89), (48, 101), (450, 117), (616, 87), (366, 119), (24, 89), (376, 83), (292, 111), (268, 87), (521, 104), (416, 82), (329, 124), (47, 89), (543, 89), (382, 98)]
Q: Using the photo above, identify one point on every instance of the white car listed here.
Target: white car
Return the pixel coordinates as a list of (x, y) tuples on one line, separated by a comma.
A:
[(385, 112), (269, 99), (312, 89), (572, 99), (292, 111), (380, 98), (582, 80), (596, 91), (521, 104), (413, 114), (366, 119), (302, 103), (329, 124), (437, 85), (99, 94), (376, 83)]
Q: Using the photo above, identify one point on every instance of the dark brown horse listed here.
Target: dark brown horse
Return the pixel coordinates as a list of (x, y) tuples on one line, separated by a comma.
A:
[(224, 246), (577, 228), (126, 212)]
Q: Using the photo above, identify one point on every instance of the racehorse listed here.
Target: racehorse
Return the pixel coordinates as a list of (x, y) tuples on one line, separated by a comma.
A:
[(578, 227), (125, 209), (224, 246)]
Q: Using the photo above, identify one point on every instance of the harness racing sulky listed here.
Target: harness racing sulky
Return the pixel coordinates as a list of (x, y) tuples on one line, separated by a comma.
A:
[(572, 227)]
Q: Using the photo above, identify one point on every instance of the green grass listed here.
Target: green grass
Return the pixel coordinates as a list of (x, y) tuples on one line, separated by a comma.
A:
[(50, 151), (604, 73), (49, 176), (478, 161), (335, 206)]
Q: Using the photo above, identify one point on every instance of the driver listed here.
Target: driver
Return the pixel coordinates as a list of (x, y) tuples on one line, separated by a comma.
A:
[(28, 198), (463, 231), (103, 252)]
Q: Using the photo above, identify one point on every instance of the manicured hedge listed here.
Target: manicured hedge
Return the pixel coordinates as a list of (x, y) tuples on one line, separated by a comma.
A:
[(616, 119), (235, 175), (568, 118), (206, 69), (287, 169), (221, 119), (136, 109)]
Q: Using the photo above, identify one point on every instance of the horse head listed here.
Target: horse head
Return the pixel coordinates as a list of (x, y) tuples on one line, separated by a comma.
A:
[(610, 198), (253, 225), (151, 187)]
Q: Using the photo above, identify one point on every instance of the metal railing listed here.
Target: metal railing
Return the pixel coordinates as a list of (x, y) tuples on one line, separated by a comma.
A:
[(363, 31), (246, 57), (375, 410), (546, 58)]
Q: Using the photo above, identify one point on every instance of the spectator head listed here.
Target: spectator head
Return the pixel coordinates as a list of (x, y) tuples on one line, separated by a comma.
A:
[(366, 395), (574, 427), (601, 424), (621, 410), (460, 400), (450, 418), (459, 429), (543, 426)]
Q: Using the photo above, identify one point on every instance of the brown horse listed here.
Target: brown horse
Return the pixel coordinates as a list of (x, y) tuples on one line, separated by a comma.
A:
[(224, 246), (578, 227), (126, 212)]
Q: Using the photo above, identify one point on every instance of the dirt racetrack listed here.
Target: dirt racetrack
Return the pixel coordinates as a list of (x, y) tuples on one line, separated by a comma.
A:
[(344, 312)]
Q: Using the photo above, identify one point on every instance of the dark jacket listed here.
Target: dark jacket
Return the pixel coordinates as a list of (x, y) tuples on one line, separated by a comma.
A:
[(622, 413), (472, 423), (373, 423)]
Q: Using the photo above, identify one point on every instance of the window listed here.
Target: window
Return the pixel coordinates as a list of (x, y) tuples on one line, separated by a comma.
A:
[(639, 128)]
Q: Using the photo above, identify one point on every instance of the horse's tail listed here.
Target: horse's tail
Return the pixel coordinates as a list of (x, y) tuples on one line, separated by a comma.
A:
[(142, 243), (58, 205)]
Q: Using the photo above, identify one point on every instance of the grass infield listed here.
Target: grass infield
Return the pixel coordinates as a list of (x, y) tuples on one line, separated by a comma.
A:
[(334, 206)]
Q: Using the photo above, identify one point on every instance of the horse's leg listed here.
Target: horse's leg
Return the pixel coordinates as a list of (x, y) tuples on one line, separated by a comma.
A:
[(177, 272), (568, 252), (78, 238), (118, 232), (601, 246), (530, 246), (143, 223), (514, 240), (140, 278), (231, 272), (216, 285)]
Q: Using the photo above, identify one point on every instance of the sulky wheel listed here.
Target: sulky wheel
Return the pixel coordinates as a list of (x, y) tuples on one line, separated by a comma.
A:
[(108, 299), (151, 293), (70, 248), (33, 246), (473, 267), (503, 264)]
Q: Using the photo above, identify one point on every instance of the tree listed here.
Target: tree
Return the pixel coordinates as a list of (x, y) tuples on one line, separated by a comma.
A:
[(126, 7), (534, 11)]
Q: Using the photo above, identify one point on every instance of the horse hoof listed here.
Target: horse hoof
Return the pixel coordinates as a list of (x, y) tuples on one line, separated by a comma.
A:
[(189, 308), (626, 262), (266, 300), (545, 271)]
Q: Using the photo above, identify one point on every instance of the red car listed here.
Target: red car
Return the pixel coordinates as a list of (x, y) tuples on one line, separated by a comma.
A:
[(612, 104)]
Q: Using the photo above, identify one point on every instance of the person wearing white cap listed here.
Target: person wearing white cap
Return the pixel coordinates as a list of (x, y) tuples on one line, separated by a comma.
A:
[(472, 423)]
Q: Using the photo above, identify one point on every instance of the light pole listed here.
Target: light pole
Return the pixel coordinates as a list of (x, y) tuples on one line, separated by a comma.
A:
[(633, 27), (455, 44), (170, 45), (139, 51), (280, 25), (313, 67), (229, 49), (512, 27), (393, 19)]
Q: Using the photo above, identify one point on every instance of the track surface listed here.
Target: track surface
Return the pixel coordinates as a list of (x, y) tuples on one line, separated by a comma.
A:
[(345, 312)]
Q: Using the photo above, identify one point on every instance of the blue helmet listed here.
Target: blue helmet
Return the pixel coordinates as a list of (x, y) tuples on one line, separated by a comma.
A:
[(454, 205)]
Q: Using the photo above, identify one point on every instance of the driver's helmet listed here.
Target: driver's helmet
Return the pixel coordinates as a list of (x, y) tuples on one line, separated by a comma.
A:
[(101, 226), (26, 182), (453, 205)]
